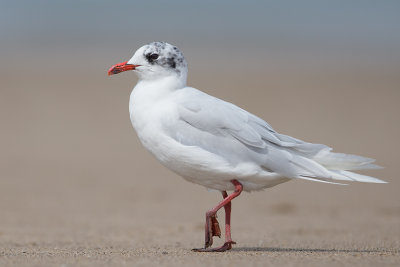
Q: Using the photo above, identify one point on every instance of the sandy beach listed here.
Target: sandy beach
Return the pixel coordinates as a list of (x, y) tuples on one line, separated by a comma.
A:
[(77, 188)]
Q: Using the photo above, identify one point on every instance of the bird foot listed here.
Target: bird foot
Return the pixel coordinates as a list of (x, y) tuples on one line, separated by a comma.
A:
[(215, 230), (212, 229), (224, 247)]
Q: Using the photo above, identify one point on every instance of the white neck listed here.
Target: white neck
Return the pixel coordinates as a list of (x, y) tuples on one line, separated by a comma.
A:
[(147, 92)]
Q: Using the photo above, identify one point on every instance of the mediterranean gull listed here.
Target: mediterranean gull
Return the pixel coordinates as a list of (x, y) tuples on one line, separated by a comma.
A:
[(216, 144)]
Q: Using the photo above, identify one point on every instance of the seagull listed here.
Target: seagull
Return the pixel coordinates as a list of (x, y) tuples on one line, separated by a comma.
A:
[(217, 144)]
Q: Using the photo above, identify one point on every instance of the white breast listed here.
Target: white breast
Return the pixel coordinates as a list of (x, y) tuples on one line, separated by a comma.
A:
[(152, 116)]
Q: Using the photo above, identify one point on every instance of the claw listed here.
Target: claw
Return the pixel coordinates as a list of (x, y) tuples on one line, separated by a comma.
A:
[(209, 241)]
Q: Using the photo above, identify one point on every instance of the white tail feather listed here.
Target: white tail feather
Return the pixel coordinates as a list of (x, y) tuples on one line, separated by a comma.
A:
[(356, 177), (340, 161), (335, 166), (316, 179)]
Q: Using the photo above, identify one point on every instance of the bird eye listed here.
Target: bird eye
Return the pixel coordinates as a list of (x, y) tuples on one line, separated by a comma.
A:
[(154, 56)]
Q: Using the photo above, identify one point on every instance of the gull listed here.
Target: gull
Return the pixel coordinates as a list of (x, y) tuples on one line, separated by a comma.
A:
[(217, 144)]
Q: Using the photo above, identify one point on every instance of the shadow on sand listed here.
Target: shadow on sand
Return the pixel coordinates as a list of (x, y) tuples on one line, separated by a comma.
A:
[(269, 249)]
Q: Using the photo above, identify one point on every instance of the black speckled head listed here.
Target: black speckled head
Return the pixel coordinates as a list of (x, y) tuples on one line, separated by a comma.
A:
[(158, 60), (165, 55)]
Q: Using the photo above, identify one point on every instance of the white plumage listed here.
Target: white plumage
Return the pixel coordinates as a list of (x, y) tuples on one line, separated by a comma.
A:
[(216, 144), (210, 142)]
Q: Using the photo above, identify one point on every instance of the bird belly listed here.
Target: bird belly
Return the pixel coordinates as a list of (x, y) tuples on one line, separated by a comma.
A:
[(192, 162), (202, 167)]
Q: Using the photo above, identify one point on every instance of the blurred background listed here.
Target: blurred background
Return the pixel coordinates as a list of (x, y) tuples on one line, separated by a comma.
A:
[(71, 166)]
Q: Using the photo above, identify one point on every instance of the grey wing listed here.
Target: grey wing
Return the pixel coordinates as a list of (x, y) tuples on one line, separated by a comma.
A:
[(239, 136)]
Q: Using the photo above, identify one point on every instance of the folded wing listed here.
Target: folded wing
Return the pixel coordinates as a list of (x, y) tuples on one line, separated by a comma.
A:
[(237, 135)]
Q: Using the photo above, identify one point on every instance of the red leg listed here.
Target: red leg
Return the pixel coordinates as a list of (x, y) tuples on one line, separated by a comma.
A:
[(212, 227), (228, 208)]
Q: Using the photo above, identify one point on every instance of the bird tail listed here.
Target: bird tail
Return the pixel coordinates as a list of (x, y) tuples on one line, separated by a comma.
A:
[(340, 166), (326, 167), (340, 161)]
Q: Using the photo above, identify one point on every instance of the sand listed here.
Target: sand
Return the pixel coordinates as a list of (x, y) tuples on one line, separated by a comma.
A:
[(77, 188)]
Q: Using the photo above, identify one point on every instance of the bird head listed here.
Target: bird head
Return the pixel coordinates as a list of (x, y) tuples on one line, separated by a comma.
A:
[(154, 60)]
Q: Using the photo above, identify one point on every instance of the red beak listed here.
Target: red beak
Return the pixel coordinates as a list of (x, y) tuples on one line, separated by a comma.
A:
[(120, 67)]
